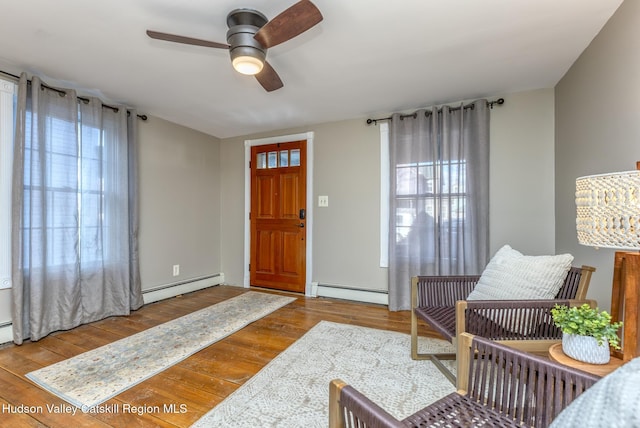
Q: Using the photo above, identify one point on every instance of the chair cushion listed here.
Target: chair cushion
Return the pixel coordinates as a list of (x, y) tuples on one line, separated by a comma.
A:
[(613, 401), (510, 275)]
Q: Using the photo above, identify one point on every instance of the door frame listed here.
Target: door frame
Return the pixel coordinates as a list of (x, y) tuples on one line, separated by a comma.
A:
[(308, 136)]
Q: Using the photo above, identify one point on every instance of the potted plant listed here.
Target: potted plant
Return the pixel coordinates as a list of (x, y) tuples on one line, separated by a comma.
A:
[(587, 333)]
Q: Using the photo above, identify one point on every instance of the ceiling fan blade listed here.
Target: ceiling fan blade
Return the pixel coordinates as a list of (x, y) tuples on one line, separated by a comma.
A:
[(268, 78), (293, 21), (185, 40)]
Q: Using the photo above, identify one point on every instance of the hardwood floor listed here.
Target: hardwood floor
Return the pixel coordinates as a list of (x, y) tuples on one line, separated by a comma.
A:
[(195, 385)]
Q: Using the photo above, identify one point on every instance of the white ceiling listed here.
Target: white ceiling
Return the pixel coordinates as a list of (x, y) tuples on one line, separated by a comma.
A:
[(367, 57)]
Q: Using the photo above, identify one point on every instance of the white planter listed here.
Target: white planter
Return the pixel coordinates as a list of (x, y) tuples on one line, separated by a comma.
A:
[(585, 349)]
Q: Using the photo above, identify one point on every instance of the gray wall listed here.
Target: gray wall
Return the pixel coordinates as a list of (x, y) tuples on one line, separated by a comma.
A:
[(598, 129), (346, 242), (522, 173), (179, 203)]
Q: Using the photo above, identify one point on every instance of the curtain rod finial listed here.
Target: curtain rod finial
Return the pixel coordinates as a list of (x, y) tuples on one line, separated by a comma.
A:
[(499, 101)]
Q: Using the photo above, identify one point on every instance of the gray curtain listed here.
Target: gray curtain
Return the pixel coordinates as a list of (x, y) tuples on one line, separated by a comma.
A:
[(75, 212), (439, 195)]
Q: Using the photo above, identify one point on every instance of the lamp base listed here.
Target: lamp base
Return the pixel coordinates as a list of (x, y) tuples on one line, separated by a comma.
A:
[(625, 295)]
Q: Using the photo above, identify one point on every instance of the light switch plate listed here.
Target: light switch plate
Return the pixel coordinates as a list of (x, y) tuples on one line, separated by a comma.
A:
[(323, 201)]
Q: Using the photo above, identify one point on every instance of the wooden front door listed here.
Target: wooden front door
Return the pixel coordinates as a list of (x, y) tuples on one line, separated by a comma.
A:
[(278, 216)]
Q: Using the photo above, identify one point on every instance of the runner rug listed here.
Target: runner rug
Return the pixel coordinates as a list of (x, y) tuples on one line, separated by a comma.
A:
[(293, 389), (93, 377)]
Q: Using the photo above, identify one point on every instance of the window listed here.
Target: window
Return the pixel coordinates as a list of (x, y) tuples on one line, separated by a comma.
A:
[(57, 218), (74, 187), (7, 115), (430, 194), (420, 184), (75, 194), (281, 159), (435, 190)]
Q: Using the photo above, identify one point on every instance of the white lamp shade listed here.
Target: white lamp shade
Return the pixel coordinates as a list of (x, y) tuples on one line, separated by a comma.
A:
[(608, 210)]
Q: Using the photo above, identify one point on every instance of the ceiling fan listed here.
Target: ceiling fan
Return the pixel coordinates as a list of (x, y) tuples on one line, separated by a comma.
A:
[(250, 34)]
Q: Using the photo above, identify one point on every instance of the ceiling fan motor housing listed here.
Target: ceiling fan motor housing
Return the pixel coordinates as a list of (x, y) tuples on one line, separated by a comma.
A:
[(243, 25), (241, 42)]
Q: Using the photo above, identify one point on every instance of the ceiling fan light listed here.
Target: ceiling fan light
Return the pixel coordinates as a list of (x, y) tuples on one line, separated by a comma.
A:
[(247, 65)]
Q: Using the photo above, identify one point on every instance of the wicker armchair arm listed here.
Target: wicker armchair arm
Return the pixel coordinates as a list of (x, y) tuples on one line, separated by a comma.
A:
[(511, 319), (526, 388), (351, 409), (442, 291)]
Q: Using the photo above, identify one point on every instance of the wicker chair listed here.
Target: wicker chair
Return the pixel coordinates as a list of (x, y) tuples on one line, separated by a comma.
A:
[(526, 324), (500, 387)]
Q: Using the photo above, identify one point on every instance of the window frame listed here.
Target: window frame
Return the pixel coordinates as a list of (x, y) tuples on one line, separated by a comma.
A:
[(8, 90), (418, 197), (385, 180)]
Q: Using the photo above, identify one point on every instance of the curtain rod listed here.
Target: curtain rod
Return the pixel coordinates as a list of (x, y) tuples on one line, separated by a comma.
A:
[(490, 104), (83, 99)]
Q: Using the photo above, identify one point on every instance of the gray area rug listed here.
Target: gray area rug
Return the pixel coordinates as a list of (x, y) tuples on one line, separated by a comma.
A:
[(93, 377), (293, 389)]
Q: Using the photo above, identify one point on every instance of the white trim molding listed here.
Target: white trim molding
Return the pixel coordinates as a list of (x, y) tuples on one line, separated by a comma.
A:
[(7, 95), (308, 136), (384, 194)]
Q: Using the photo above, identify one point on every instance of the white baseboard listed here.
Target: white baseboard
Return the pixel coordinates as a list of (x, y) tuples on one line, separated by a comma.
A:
[(358, 295), (171, 290)]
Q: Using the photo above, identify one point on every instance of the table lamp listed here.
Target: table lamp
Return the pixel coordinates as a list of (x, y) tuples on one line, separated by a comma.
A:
[(608, 216)]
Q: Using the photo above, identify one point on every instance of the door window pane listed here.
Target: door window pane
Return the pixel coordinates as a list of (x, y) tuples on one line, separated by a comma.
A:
[(295, 157), (272, 160), (284, 158), (261, 161)]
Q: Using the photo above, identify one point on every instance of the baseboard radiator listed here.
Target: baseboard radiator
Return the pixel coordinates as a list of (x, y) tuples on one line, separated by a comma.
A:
[(6, 332), (380, 297), (153, 294), (167, 291)]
